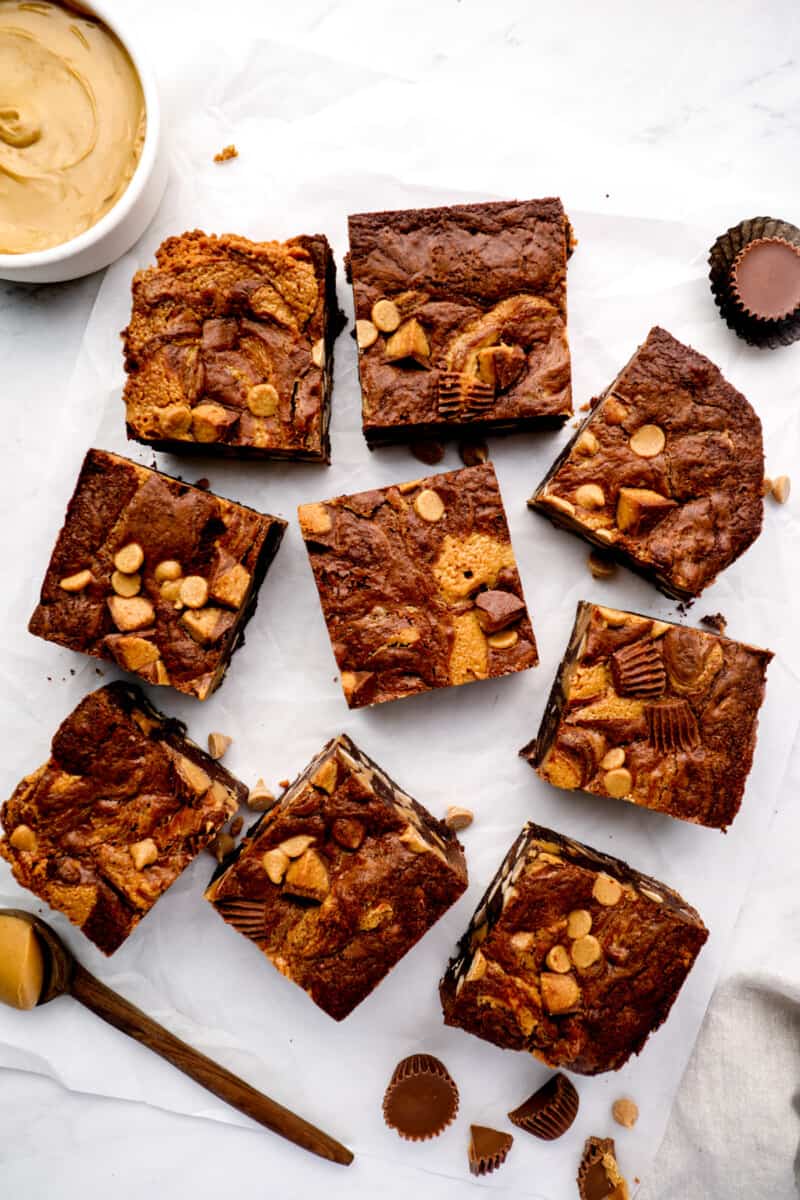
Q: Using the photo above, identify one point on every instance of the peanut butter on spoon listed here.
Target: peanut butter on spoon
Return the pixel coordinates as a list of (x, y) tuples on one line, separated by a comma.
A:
[(21, 963), (72, 122)]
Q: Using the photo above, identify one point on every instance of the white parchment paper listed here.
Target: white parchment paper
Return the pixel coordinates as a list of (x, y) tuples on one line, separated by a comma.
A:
[(281, 700)]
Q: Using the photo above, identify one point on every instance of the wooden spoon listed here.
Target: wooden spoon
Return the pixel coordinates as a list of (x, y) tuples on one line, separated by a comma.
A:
[(64, 975)]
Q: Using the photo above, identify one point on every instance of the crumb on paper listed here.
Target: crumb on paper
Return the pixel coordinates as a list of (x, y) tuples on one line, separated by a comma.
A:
[(226, 154)]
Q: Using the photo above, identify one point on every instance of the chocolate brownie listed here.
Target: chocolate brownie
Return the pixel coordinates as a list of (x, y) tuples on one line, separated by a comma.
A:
[(341, 878), (666, 472), (462, 318), (571, 955), (418, 585), (153, 574), (653, 713), (119, 810), (230, 347)]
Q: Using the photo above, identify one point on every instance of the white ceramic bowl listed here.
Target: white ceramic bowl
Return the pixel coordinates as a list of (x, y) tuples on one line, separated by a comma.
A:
[(123, 224)]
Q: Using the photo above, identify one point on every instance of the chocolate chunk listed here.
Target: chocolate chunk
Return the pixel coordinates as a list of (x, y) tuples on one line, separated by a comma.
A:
[(599, 1176), (421, 1099), (550, 1111), (498, 609), (488, 1149)]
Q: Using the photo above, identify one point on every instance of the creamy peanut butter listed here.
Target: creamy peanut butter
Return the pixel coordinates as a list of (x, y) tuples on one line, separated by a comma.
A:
[(21, 963), (72, 122)]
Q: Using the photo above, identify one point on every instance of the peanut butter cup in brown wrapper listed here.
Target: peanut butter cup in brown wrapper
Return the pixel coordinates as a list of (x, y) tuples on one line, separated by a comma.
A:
[(421, 1099), (550, 1111), (755, 279), (488, 1149), (599, 1176)]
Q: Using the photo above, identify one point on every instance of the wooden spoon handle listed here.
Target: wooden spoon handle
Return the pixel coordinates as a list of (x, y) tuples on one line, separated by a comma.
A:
[(234, 1091)]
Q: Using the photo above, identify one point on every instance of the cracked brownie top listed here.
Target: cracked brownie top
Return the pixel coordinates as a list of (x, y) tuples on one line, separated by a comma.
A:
[(419, 586), (667, 470)]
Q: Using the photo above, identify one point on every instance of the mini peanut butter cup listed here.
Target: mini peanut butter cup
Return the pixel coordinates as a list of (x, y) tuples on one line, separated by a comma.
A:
[(755, 279), (550, 1111), (421, 1099), (488, 1149), (599, 1176)]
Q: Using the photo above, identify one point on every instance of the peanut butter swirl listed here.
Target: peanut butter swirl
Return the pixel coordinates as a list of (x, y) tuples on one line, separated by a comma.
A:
[(72, 124)]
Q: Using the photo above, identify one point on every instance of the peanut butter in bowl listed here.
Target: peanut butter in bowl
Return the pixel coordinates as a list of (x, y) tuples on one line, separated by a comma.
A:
[(72, 123)]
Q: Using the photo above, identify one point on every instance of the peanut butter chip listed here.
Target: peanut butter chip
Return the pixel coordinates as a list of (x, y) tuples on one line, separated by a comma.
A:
[(263, 400), (318, 352), (293, 847), (23, 838), (129, 614), (625, 1112), (218, 743), (601, 566), (458, 818), (193, 591), (590, 495), (781, 488), (129, 558), (578, 923), (429, 505), (560, 993), (613, 411), (477, 968), (366, 334), (143, 853), (169, 569), (586, 443), (607, 891), (126, 585), (612, 616), (314, 518), (504, 640), (275, 863), (618, 782), (560, 504), (585, 951), (260, 798), (558, 960), (614, 758), (76, 583), (648, 441), (325, 776), (385, 315)]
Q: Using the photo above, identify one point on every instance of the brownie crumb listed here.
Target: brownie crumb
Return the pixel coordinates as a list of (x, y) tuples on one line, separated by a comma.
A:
[(714, 621), (473, 452), (226, 154), (203, 483)]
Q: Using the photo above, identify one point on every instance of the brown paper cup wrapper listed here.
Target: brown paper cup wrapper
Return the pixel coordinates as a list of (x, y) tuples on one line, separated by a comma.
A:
[(421, 1099), (757, 331)]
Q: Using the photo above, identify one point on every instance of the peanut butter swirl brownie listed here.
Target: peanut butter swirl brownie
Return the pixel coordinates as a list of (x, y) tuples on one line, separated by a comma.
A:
[(653, 713), (230, 347), (341, 878), (419, 586), (571, 955), (462, 318), (156, 575), (666, 472), (119, 810)]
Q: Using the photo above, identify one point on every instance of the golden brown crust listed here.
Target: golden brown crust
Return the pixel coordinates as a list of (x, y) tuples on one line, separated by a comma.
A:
[(230, 345), (120, 809)]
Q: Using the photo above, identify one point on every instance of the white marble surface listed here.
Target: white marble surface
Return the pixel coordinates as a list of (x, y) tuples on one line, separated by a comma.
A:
[(665, 113)]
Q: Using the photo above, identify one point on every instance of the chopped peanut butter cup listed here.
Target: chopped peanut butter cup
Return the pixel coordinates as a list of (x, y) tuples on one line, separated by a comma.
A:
[(488, 1149), (421, 1099), (550, 1111), (599, 1176)]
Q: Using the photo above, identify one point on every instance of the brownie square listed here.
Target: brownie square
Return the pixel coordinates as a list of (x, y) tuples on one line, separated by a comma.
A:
[(119, 810), (156, 575), (461, 318), (418, 585), (230, 347), (666, 472), (653, 713), (571, 955), (341, 878)]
